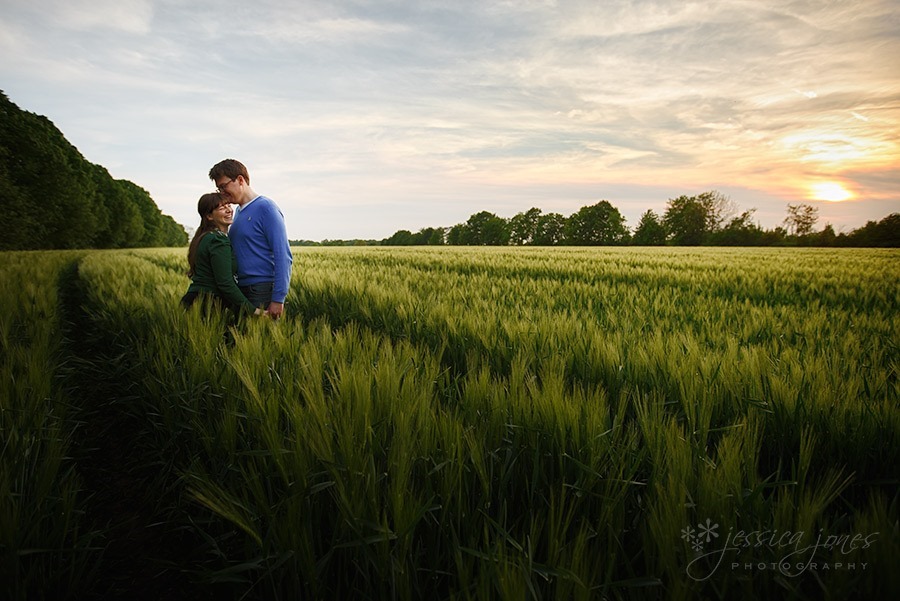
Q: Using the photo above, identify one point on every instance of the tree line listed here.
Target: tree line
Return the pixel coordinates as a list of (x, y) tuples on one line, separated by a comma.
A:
[(54, 198), (710, 218)]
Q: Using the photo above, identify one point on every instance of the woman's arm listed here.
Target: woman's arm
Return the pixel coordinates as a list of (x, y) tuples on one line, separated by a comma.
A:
[(221, 258)]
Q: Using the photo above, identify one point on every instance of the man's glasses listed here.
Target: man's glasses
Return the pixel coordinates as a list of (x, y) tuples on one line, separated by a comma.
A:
[(221, 187)]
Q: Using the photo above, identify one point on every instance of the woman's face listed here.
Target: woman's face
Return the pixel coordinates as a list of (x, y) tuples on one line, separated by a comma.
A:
[(222, 216)]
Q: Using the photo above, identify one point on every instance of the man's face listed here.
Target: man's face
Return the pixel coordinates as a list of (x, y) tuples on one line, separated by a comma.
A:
[(229, 187)]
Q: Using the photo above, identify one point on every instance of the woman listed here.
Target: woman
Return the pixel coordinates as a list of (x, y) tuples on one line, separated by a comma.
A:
[(211, 260)]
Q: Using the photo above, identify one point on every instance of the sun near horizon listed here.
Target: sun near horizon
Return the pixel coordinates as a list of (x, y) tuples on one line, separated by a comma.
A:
[(830, 191)]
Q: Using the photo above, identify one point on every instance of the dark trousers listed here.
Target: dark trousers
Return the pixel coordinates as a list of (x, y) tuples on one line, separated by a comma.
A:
[(260, 295)]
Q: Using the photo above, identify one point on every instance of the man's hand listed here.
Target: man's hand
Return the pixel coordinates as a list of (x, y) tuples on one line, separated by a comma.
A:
[(275, 310)]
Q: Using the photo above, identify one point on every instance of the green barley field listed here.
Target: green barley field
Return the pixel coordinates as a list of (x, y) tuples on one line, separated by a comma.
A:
[(457, 423)]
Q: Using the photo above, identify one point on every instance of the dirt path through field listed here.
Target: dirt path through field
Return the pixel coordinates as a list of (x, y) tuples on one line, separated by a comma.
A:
[(142, 557)]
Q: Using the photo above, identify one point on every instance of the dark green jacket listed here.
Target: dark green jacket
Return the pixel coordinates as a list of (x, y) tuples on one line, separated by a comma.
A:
[(214, 270)]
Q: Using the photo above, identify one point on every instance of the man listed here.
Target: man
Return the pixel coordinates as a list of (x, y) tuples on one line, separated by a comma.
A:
[(258, 237)]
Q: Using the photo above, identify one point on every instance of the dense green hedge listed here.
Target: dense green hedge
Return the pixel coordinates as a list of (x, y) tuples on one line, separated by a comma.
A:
[(54, 198)]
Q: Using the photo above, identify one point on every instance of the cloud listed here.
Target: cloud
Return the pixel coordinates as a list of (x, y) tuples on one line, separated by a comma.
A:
[(466, 102), (130, 16), (295, 28)]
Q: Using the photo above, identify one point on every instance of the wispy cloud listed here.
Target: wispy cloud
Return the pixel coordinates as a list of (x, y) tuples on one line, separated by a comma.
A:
[(130, 16), (449, 107)]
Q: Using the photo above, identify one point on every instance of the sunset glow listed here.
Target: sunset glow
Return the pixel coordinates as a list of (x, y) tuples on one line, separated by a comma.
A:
[(835, 148), (830, 191), (502, 107)]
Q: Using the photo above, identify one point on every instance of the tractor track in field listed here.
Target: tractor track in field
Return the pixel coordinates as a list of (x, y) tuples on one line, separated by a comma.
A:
[(141, 555)]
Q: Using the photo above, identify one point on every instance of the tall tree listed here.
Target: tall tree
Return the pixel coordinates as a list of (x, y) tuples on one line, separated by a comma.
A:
[(719, 209), (740, 231), (650, 231), (399, 238), (523, 227), (458, 235), (21, 228), (173, 233), (801, 218), (61, 200), (430, 236), (596, 225), (690, 220), (884, 233), (685, 220), (550, 230), (56, 192), (486, 229), (827, 237)]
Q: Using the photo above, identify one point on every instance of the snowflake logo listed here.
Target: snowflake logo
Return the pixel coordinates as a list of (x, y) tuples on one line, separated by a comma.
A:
[(708, 530), (705, 532)]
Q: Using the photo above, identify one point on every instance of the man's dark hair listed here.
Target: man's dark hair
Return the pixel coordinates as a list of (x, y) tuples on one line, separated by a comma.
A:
[(229, 168)]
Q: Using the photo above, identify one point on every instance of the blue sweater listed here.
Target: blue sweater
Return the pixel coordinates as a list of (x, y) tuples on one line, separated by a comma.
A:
[(261, 246)]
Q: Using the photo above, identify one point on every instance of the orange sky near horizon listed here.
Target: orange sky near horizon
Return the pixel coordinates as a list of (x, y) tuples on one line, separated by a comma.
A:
[(360, 119)]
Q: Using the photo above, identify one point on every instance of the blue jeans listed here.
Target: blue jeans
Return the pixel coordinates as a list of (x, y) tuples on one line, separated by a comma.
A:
[(260, 295)]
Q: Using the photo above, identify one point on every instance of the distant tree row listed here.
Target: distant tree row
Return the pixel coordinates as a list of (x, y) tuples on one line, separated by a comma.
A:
[(709, 218), (54, 198)]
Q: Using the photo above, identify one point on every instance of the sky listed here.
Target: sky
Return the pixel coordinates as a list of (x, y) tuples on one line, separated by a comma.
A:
[(361, 118)]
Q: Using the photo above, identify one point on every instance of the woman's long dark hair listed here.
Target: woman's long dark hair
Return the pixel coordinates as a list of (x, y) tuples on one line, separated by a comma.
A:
[(206, 205)]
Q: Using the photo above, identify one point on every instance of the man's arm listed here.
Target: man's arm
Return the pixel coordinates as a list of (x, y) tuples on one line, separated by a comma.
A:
[(276, 232)]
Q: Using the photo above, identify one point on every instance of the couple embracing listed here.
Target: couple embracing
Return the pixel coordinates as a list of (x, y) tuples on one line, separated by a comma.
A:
[(239, 259)]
